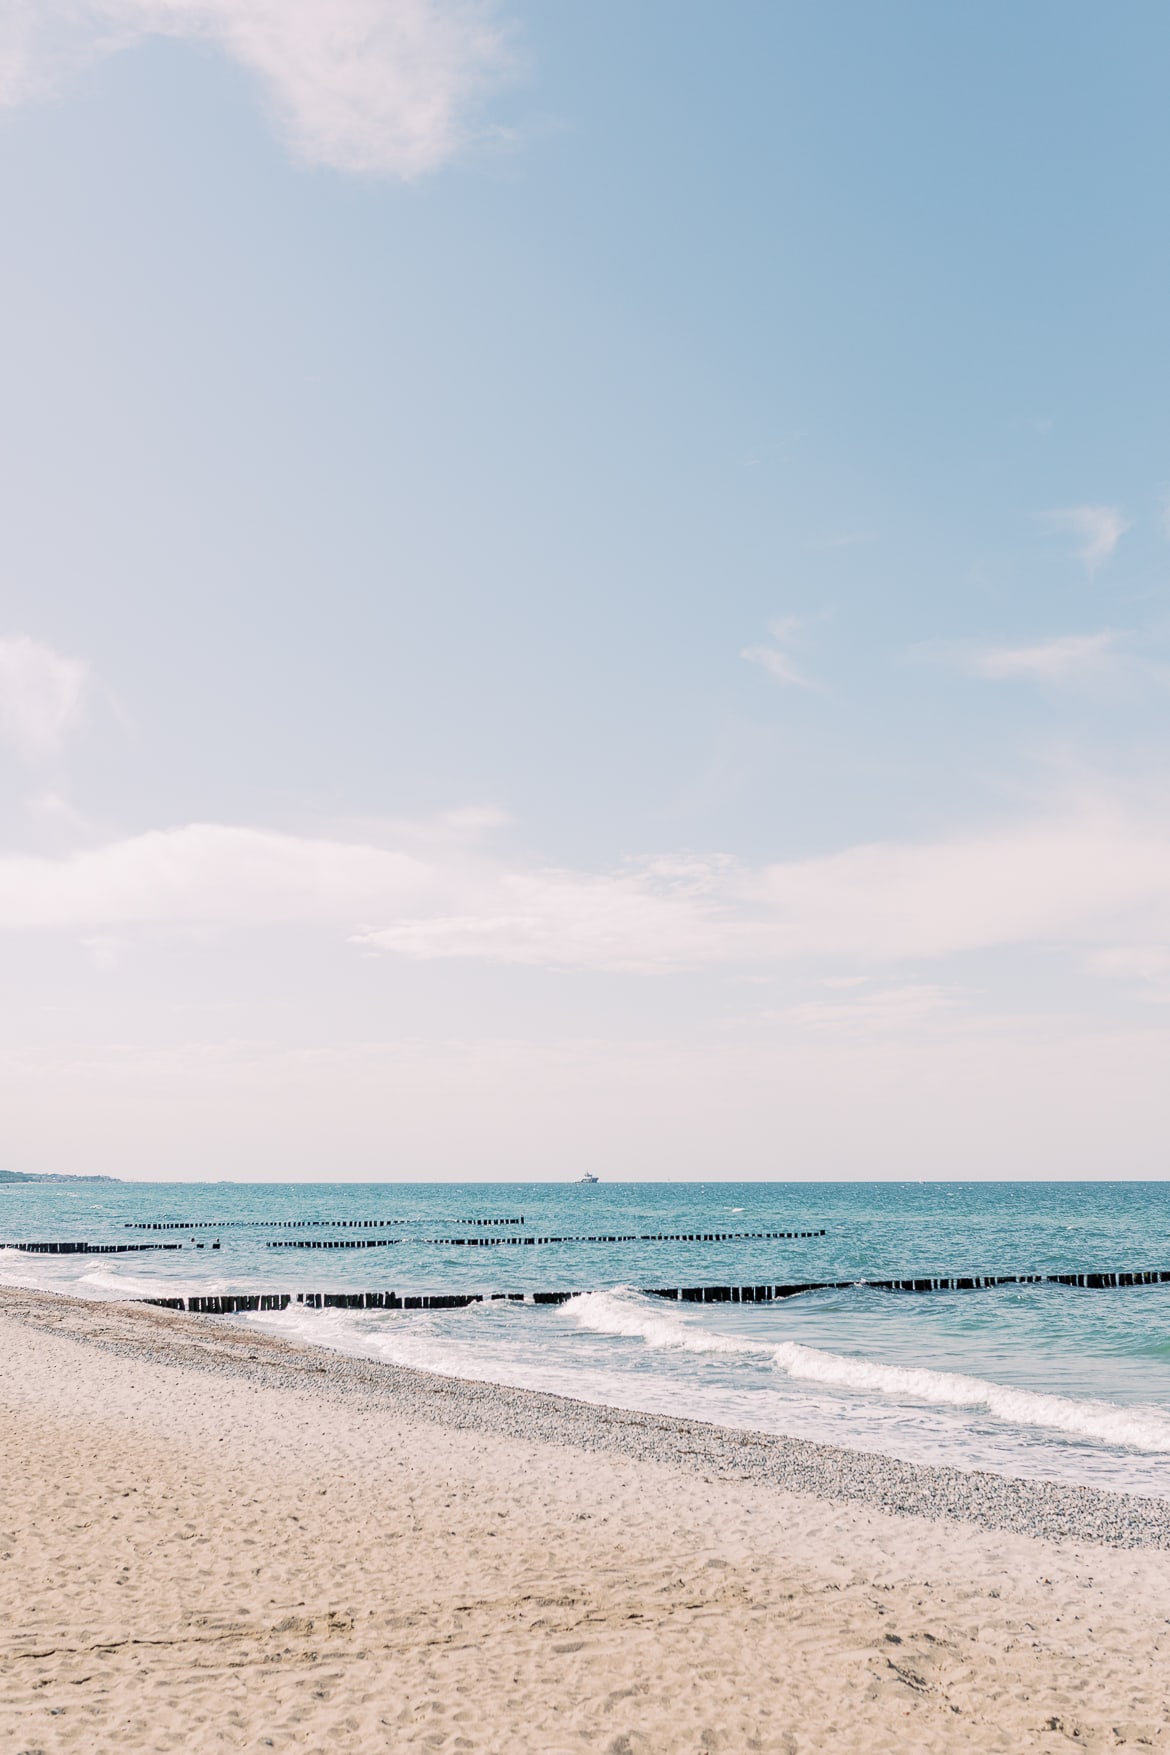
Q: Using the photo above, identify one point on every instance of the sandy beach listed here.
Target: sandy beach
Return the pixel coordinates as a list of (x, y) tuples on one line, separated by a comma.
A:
[(213, 1540)]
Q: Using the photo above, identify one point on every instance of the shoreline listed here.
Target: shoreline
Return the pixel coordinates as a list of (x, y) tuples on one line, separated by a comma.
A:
[(1049, 1510)]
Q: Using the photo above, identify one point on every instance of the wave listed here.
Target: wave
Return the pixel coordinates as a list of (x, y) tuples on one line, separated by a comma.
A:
[(625, 1312), (1137, 1427), (77, 1276)]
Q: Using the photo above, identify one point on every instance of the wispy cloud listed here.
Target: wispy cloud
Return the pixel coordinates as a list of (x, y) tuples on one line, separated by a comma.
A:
[(1146, 964), (1073, 878), (215, 875), (384, 87), (1094, 878), (776, 659), (42, 696), (1144, 961), (104, 951), (1097, 530), (886, 1009), (1066, 657), (1064, 660)]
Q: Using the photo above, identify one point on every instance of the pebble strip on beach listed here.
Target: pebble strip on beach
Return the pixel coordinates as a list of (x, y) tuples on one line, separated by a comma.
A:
[(1051, 1510)]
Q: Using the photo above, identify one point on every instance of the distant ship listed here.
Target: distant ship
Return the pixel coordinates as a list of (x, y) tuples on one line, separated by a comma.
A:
[(588, 1178)]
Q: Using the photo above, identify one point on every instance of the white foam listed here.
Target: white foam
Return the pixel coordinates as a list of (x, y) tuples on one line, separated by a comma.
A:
[(623, 1312), (22, 1281), (1138, 1427), (81, 1276), (410, 1341)]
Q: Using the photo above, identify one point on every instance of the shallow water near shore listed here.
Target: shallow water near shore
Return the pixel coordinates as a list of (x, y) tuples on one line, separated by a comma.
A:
[(1045, 1381)]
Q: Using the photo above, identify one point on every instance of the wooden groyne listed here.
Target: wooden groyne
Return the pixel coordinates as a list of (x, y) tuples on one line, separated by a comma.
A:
[(223, 1304), (387, 1242), (297, 1224), (87, 1248), (232, 1303), (933, 1283), (332, 1242), (620, 1237), (229, 1303), (267, 1224), (469, 1242)]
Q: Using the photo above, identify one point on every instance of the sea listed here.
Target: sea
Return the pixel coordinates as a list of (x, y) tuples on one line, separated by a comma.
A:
[(1046, 1381)]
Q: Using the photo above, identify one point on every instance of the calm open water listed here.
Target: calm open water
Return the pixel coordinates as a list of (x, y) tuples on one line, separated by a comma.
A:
[(1045, 1381)]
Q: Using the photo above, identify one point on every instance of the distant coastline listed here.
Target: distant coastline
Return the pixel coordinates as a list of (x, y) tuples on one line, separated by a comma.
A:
[(35, 1176)]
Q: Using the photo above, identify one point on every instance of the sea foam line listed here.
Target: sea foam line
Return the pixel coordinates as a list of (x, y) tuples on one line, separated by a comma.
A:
[(1140, 1427)]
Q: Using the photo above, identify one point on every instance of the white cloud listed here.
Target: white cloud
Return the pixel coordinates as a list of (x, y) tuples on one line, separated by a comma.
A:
[(1144, 961), (1147, 964), (105, 951), (639, 920), (888, 1008), (211, 874), (1064, 660), (1066, 657), (42, 696), (1086, 877), (374, 86), (1095, 878), (1097, 530), (776, 660), (444, 898)]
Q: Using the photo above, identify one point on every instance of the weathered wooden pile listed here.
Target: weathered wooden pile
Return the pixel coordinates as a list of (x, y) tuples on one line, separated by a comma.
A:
[(87, 1248), (229, 1303)]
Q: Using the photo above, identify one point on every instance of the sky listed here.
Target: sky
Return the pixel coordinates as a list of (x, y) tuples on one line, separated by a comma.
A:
[(584, 588)]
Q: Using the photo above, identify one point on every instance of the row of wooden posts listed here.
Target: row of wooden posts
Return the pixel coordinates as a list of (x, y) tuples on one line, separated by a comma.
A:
[(266, 1224), (87, 1248), (443, 1242), (497, 1242), (296, 1224), (229, 1303)]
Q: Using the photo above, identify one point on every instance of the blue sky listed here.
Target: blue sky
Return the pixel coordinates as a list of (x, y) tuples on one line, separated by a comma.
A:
[(584, 587)]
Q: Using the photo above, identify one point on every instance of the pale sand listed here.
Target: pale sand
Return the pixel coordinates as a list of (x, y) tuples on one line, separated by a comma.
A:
[(209, 1543)]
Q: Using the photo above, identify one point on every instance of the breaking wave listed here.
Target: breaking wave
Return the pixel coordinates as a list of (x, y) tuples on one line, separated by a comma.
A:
[(1138, 1427)]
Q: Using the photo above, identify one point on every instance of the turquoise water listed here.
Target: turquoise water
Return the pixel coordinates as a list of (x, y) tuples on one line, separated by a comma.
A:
[(1052, 1381)]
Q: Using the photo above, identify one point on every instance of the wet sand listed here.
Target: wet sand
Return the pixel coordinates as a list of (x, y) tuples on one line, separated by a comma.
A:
[(214, 1540)]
